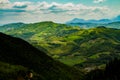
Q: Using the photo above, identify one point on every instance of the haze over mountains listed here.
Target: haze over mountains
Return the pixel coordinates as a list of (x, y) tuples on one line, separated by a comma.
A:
[(94, 23), (101, 21)]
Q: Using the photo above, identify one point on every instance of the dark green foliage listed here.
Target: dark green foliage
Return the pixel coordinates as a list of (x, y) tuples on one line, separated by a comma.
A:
[(95, 75), (16, 51), (10, 72), (111, 72)]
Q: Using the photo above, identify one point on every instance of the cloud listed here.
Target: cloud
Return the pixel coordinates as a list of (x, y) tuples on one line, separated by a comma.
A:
[(99, 1), (11, 10), (68, 8), (56, 8), (71, 9), (4, 1), (20, 4), (58, 12)]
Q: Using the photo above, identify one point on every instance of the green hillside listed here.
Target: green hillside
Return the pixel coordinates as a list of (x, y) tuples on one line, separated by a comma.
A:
[(16, 55), (72, 45), (11, 26)]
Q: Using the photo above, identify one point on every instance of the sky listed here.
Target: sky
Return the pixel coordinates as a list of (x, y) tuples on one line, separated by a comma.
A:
[(59, 11)]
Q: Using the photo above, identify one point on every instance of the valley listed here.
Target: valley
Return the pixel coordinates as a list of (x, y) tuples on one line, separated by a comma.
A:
[(73, 46)]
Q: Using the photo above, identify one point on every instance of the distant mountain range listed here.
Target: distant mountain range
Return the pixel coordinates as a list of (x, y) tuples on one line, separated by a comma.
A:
[(101, 21), (110, 23)]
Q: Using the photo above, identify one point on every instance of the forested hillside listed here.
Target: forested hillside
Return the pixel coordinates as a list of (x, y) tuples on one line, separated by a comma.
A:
[(72, 45)]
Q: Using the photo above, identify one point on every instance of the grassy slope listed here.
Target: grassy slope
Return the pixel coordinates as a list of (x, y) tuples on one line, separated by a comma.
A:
[(72, 45)]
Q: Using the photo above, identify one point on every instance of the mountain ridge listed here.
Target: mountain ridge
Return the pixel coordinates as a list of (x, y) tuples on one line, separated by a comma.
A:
[(100, 21)]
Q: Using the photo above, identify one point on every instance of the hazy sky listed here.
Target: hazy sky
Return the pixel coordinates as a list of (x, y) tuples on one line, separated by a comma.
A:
[(56, 10)]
